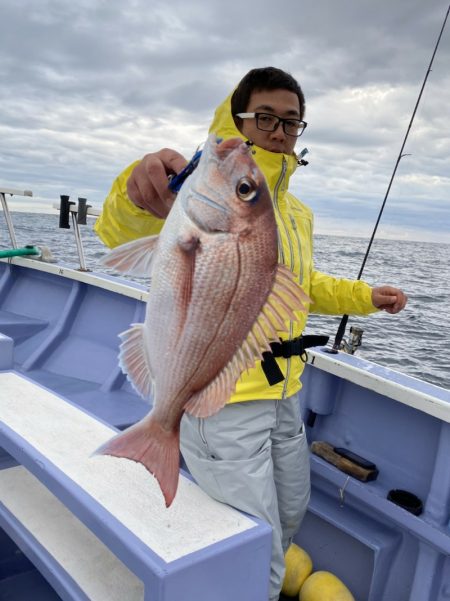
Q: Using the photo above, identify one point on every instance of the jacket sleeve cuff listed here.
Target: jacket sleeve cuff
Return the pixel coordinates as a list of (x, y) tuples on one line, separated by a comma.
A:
[(121, 220)]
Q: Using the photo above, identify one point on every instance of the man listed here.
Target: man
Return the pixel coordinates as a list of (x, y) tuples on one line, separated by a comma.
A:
[(253, 454)]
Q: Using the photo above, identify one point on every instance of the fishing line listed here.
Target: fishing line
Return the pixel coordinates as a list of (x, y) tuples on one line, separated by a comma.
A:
[(341, 329)]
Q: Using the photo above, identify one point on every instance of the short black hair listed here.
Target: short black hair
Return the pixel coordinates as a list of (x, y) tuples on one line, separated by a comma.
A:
[(265, 78)]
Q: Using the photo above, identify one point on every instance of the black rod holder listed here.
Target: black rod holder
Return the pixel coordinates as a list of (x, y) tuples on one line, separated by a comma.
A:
[(82, 211), (64, 211)]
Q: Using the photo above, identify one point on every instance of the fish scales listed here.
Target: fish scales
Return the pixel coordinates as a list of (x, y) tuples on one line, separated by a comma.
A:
[(214, 271)]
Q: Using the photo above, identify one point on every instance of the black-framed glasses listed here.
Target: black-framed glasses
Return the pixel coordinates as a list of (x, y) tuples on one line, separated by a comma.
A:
[(268, 122)]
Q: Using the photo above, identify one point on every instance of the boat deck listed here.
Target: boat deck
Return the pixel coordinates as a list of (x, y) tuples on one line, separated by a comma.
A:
[(67, 354)]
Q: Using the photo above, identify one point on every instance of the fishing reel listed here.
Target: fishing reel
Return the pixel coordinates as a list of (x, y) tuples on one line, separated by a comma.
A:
[(354, 341)]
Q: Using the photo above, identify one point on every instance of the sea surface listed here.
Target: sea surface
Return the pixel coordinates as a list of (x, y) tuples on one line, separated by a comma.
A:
[(415, 342)]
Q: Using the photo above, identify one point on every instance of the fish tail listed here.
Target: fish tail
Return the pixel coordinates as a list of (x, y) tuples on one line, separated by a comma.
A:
[(157, 449)]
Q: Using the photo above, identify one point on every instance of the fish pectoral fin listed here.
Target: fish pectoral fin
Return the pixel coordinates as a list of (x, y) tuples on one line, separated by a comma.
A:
[(134, 257), (134, 360)]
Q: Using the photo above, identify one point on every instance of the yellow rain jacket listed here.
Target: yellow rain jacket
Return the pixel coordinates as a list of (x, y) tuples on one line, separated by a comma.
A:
[(121, 221)]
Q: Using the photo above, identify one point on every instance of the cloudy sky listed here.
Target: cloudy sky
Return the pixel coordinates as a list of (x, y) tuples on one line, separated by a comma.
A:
[(88, 86)]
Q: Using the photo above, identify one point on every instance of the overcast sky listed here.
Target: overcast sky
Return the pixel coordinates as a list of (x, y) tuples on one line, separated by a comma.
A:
[(88, 86)]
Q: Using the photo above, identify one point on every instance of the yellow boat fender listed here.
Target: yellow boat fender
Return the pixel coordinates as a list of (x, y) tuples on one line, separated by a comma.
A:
[(324, 586), (298, 567)]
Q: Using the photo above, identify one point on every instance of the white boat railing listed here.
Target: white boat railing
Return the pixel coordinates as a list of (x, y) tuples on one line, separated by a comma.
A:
[(9, 223)]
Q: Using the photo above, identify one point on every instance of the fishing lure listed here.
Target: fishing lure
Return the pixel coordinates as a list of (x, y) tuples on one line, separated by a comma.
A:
[(176, 181)]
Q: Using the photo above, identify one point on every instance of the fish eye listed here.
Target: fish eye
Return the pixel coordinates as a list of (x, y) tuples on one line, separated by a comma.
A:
[(246, 189)]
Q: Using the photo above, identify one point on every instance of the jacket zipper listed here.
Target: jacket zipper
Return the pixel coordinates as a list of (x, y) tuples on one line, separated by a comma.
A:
[(282, 257), (275, 200), (299, 246)]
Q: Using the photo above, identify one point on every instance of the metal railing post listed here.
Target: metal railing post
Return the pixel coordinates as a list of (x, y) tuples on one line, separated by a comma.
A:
[(9, 223)]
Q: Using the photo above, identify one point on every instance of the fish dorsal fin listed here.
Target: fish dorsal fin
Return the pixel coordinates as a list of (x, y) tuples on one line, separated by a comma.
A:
[(133, 257), (285, 298), (134, 361)]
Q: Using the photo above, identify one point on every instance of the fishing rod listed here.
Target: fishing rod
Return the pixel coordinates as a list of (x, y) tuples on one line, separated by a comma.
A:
[(341, 329)]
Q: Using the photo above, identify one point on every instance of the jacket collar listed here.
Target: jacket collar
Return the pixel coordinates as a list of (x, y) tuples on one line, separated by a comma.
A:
[(272, 164)]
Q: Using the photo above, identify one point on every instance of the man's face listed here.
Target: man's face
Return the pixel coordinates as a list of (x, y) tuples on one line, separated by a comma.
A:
[(281, 103)]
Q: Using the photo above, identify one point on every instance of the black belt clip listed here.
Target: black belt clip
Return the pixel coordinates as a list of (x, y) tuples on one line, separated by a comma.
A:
[(287, 349)]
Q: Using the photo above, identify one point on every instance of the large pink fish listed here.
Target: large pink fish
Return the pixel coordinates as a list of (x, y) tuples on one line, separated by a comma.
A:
[(217, 298)]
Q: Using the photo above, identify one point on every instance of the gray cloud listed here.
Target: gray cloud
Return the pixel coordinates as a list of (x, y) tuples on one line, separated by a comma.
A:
[(89, 86)]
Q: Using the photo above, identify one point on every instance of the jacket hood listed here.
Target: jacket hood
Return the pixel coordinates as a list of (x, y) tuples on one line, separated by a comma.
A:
[(272, 164)]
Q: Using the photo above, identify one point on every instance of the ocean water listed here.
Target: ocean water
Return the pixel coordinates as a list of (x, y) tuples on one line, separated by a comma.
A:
[(415, 342)]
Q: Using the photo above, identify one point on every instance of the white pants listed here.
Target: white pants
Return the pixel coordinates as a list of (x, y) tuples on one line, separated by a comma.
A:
[(254, 456)]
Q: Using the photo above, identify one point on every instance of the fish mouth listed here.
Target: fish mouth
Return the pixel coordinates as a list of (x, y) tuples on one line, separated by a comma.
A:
[(226, 147), (220, 148)]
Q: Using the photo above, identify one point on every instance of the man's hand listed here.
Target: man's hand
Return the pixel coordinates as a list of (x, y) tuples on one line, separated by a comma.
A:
[(147, 185), (389, 299)]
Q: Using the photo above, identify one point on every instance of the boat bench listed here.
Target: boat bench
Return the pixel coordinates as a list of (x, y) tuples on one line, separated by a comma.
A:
[(97, 527), (114, 404)]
